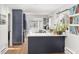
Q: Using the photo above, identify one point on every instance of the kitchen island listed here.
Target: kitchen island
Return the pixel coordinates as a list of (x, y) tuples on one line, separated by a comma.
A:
[(45, 43)]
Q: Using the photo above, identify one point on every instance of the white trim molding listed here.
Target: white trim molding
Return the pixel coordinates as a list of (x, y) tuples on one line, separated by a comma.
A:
[(69, 51), (4, 51)]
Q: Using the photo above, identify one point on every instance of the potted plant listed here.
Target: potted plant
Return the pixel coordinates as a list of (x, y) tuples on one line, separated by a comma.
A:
[(60, 28)]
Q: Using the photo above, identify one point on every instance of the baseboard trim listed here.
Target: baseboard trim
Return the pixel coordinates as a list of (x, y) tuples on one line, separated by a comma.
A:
[(4, 51), (69, 51)]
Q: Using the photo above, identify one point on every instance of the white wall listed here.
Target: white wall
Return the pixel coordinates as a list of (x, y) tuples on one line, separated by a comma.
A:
[(72, 44), (54, 16), (4, 29), (28, 18)]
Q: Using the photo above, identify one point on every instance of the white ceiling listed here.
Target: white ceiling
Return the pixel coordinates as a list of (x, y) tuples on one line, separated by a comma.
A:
[(40, 9)]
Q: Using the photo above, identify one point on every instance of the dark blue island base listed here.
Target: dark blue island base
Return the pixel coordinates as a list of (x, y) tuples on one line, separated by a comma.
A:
[(46, 44)]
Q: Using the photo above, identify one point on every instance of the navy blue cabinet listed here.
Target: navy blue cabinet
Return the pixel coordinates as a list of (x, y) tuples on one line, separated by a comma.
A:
[(17, 26), (46, 44)]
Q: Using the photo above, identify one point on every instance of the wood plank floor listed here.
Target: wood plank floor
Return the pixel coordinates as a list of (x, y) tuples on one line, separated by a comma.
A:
[(18, 49)]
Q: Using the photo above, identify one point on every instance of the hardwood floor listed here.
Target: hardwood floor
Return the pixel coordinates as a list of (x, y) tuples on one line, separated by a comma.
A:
[(18, 49)]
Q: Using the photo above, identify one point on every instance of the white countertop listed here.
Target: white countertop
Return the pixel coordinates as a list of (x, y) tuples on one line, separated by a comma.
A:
[(43, 34)]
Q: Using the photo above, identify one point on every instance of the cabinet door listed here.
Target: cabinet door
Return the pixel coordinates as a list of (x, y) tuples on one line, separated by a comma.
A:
[(43, 45), (17, 26)]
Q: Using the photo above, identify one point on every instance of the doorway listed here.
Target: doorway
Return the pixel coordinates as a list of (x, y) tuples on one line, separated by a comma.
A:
[(24, 27), (8, 29)]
